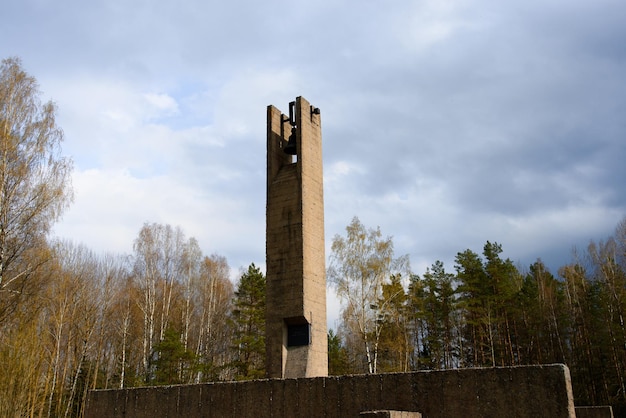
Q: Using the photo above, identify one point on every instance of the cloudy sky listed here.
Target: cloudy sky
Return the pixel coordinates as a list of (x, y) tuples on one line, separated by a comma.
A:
[(445, 122)]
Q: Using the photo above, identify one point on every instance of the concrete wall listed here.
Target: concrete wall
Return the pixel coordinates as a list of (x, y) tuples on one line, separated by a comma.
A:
[(594, 412), (390, 414), (528, 391)]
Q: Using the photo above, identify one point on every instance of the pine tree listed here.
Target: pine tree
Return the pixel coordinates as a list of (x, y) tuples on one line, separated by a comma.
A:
[(338, 362), (503, 281), (477, 310), (249, 321), (172, 361), (440, 311), (393, 340), (417, 323)]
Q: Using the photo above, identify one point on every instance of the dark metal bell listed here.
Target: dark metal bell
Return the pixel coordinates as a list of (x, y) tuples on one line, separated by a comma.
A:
[(291, 144)]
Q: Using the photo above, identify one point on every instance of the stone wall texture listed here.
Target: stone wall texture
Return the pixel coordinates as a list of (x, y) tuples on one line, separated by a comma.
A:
[(525, 391)]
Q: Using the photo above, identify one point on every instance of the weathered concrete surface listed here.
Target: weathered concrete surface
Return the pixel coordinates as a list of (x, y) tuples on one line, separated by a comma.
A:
[(390, 414), (521, 392), (295, 260), (594, 412)]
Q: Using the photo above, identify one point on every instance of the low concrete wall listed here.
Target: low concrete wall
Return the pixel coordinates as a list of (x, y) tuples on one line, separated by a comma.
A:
[(594, 412), (390, 414), (528, 391)]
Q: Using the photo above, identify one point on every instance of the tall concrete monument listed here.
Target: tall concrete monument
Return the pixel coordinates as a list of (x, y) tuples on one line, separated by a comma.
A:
[(296, 340)]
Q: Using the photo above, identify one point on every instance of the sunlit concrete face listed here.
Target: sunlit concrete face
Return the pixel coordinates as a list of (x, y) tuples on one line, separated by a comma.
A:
[(296, 340)]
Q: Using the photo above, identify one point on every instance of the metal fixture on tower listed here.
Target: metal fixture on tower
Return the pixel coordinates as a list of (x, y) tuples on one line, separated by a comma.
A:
[(291, 147)]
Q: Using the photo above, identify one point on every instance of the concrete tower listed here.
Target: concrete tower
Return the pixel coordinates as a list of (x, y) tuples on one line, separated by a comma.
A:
[(296, 338)]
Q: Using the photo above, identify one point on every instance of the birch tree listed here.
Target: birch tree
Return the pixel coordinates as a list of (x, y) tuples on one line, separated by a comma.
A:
[(360, 264), (34, 180), (158, 265), (213, 296)]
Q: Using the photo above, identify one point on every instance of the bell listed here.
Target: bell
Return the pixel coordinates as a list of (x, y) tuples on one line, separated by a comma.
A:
[(291, 144)]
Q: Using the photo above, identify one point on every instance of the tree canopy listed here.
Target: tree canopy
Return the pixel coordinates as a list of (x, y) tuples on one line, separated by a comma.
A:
[(34, 180), (489, 313)]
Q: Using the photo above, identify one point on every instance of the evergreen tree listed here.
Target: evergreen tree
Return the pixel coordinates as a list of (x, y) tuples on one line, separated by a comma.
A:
[(338, 363), (503, 281), (487, 295), (528, 321), (393, 340), (477, 310), (417, 323), (249, 322), (609, 277), (440, 309), (172, 362)]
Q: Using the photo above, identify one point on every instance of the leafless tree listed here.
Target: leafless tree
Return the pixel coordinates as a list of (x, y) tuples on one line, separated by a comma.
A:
[(34, 180), (360, 264)]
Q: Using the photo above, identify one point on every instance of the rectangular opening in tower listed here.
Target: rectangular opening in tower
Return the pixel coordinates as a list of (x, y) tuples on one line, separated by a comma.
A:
[(298, 335)]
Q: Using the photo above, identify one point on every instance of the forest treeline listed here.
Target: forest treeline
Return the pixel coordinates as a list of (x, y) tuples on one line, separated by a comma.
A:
[(72, 320), (165, 314), (486, 312), (168, 314)]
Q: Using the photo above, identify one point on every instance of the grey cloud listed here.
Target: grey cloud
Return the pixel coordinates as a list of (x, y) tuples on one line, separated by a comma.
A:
[(487, 110)]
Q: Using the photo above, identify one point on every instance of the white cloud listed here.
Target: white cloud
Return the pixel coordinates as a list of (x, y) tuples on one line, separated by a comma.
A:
[(429, 23), (162, 103), (111, 206)]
